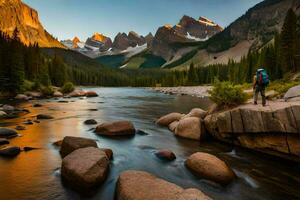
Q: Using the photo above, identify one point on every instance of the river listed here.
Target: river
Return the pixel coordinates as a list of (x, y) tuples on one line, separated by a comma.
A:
[(36, 174)]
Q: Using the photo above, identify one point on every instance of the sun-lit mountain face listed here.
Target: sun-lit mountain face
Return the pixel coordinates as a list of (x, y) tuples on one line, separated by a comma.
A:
[(75, 42), (99, 37), (16, 15)]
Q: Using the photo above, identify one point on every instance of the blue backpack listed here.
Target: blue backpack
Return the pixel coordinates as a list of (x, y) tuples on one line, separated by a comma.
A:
[(262, 77)]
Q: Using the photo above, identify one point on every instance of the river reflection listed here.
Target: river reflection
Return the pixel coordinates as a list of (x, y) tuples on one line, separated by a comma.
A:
[(36, 175)]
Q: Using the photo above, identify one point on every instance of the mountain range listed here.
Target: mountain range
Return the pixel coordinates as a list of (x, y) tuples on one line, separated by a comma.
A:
[(200, 41)]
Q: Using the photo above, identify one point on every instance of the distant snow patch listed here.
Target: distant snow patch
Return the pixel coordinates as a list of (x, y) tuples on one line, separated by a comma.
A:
[(189, 36)]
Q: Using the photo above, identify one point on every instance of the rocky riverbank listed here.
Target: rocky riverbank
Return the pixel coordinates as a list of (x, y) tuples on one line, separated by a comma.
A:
[(198, 91), (273, 129)]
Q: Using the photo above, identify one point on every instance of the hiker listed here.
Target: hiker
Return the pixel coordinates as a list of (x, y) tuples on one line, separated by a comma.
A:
[(260, 82)]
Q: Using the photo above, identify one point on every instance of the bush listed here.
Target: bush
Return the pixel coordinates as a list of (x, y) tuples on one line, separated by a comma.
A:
[(226, 94), (27, 86), (47, 91), (67, 88)]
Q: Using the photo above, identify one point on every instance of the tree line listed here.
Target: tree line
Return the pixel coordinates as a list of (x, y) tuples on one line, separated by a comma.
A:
[(20, 64), (279, 57)]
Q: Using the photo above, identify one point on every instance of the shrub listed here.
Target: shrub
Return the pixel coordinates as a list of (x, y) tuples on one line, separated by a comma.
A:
[(27, 86), (226, 94), (47, 91), (67, 88)]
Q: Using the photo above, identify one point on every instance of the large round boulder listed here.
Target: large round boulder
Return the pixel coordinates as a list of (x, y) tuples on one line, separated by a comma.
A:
[(196, 112), (292, 92), (10, 151), (21, 97), (8, 108), (210, 167), (57, 94), (7, 133), (139, 185), (118, 128), (90, 122), (70, 144), (85, 168), (169, 118), (91, 94), (3, 141), (2, 114), (190, 128)]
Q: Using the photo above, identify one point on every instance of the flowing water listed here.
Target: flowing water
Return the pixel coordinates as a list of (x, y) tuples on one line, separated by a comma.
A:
[(36, 174)]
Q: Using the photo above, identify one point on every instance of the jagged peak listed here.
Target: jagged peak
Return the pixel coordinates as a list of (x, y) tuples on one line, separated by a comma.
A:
[(168, 26), (76, 39), (206, 21), (149, 35), (99, 37), (134, 34)]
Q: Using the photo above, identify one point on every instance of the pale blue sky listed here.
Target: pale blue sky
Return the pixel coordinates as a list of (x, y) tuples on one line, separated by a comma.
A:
[(68, 18)]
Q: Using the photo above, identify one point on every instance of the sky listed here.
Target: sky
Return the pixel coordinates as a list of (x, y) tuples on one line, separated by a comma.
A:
[(68, 18)]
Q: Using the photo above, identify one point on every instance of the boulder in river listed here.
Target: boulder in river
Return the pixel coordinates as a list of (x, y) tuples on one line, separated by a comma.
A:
[(20, 128), (57, 94), (85, 168), (29, 148), (10, 151), (2, 114), (210, 167), (8, 108), (22, 97), (90, 122), (165, 155), (118, 128), (44, 116), (3, 141), (190, 128), (91, 94), (37, 105), (7, 133), (139, 185), (70, 144), (169, 118)]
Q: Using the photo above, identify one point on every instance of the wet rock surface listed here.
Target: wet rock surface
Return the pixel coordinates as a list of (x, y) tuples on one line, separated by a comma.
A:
[(10, 151), (261, 128), (210, 167), (7, 133), (85, 168), (117, 128), (139, 185), (70, 144)]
